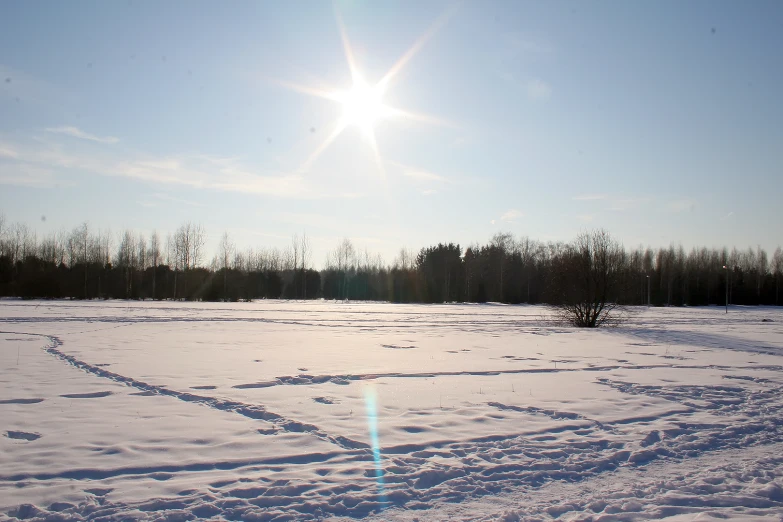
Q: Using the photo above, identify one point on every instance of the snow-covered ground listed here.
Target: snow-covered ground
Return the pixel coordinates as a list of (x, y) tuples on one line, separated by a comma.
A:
[(323, 410)]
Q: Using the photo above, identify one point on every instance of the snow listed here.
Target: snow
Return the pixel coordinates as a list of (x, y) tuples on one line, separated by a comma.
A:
[(280, 410)]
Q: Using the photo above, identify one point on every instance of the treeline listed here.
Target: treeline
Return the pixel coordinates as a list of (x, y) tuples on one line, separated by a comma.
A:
[(89, 264)]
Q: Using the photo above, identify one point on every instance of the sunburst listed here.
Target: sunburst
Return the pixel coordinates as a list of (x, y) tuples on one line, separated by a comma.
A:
[(362, 104)]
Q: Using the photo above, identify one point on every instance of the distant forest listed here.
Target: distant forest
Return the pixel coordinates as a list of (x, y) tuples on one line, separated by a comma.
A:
[(83, 264)]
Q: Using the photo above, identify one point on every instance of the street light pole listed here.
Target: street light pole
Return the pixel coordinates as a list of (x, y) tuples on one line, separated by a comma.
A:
[(727, 287), (648, 291)]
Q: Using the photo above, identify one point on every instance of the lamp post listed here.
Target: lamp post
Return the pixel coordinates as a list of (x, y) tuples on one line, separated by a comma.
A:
[(726, 267), (648, 291)]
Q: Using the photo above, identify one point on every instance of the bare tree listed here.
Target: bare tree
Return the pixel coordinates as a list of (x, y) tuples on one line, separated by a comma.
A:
[(188, 249), (777, 268), (294, 261), (405, 259), (306, 255), (79, 244), (227, 249), (529, 252), (588, 280), (126, 259), (173, 258), (504, 243), (762, 265), (239, 263), (3, 238), (141, 253), (17, 239), (154, 256), (198, 239), (343, 257)]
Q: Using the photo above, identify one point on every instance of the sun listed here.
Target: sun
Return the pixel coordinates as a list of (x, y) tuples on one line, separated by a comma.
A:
[(363, 106)]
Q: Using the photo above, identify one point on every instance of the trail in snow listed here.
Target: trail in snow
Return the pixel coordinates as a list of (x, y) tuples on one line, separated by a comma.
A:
[(495, 450)]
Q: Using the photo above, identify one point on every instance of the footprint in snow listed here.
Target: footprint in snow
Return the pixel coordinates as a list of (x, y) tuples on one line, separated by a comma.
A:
[(21, 401), (99, 492), (22, 435), (93, 395)]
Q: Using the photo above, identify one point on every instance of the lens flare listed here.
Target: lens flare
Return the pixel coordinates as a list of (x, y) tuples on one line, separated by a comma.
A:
[(370, 402)]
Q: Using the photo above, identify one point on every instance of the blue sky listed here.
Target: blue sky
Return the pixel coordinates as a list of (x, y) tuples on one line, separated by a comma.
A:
[(660, 121)]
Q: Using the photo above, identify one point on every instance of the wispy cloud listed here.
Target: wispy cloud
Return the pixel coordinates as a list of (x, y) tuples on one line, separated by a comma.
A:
[(587, 218), (26, 175), (75, 132), (589, 197), (728, 216), (511, 215), (196, 171), (199, 174), (419, 174), (538, 89), (6, 151), (428, 192)]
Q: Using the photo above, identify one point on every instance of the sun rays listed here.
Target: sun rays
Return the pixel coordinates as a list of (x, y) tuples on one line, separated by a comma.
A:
[(362, 103)]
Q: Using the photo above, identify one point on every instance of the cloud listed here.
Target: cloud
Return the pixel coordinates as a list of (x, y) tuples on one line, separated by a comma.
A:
[(418, 174), (728, 216), (538, 89), (587, 218), (428, 192), (196, 171), (423, 175), (589, 197), (492, 222), (6, 151), (78, 133), (511, 215), (201, 174), (26, 175)]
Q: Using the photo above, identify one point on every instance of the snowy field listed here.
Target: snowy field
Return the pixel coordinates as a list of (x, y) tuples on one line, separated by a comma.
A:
[(322, 410)]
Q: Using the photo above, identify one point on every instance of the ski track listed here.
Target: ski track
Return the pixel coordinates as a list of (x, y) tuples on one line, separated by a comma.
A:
[(418, 476), (250, 411), (306, 379)]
